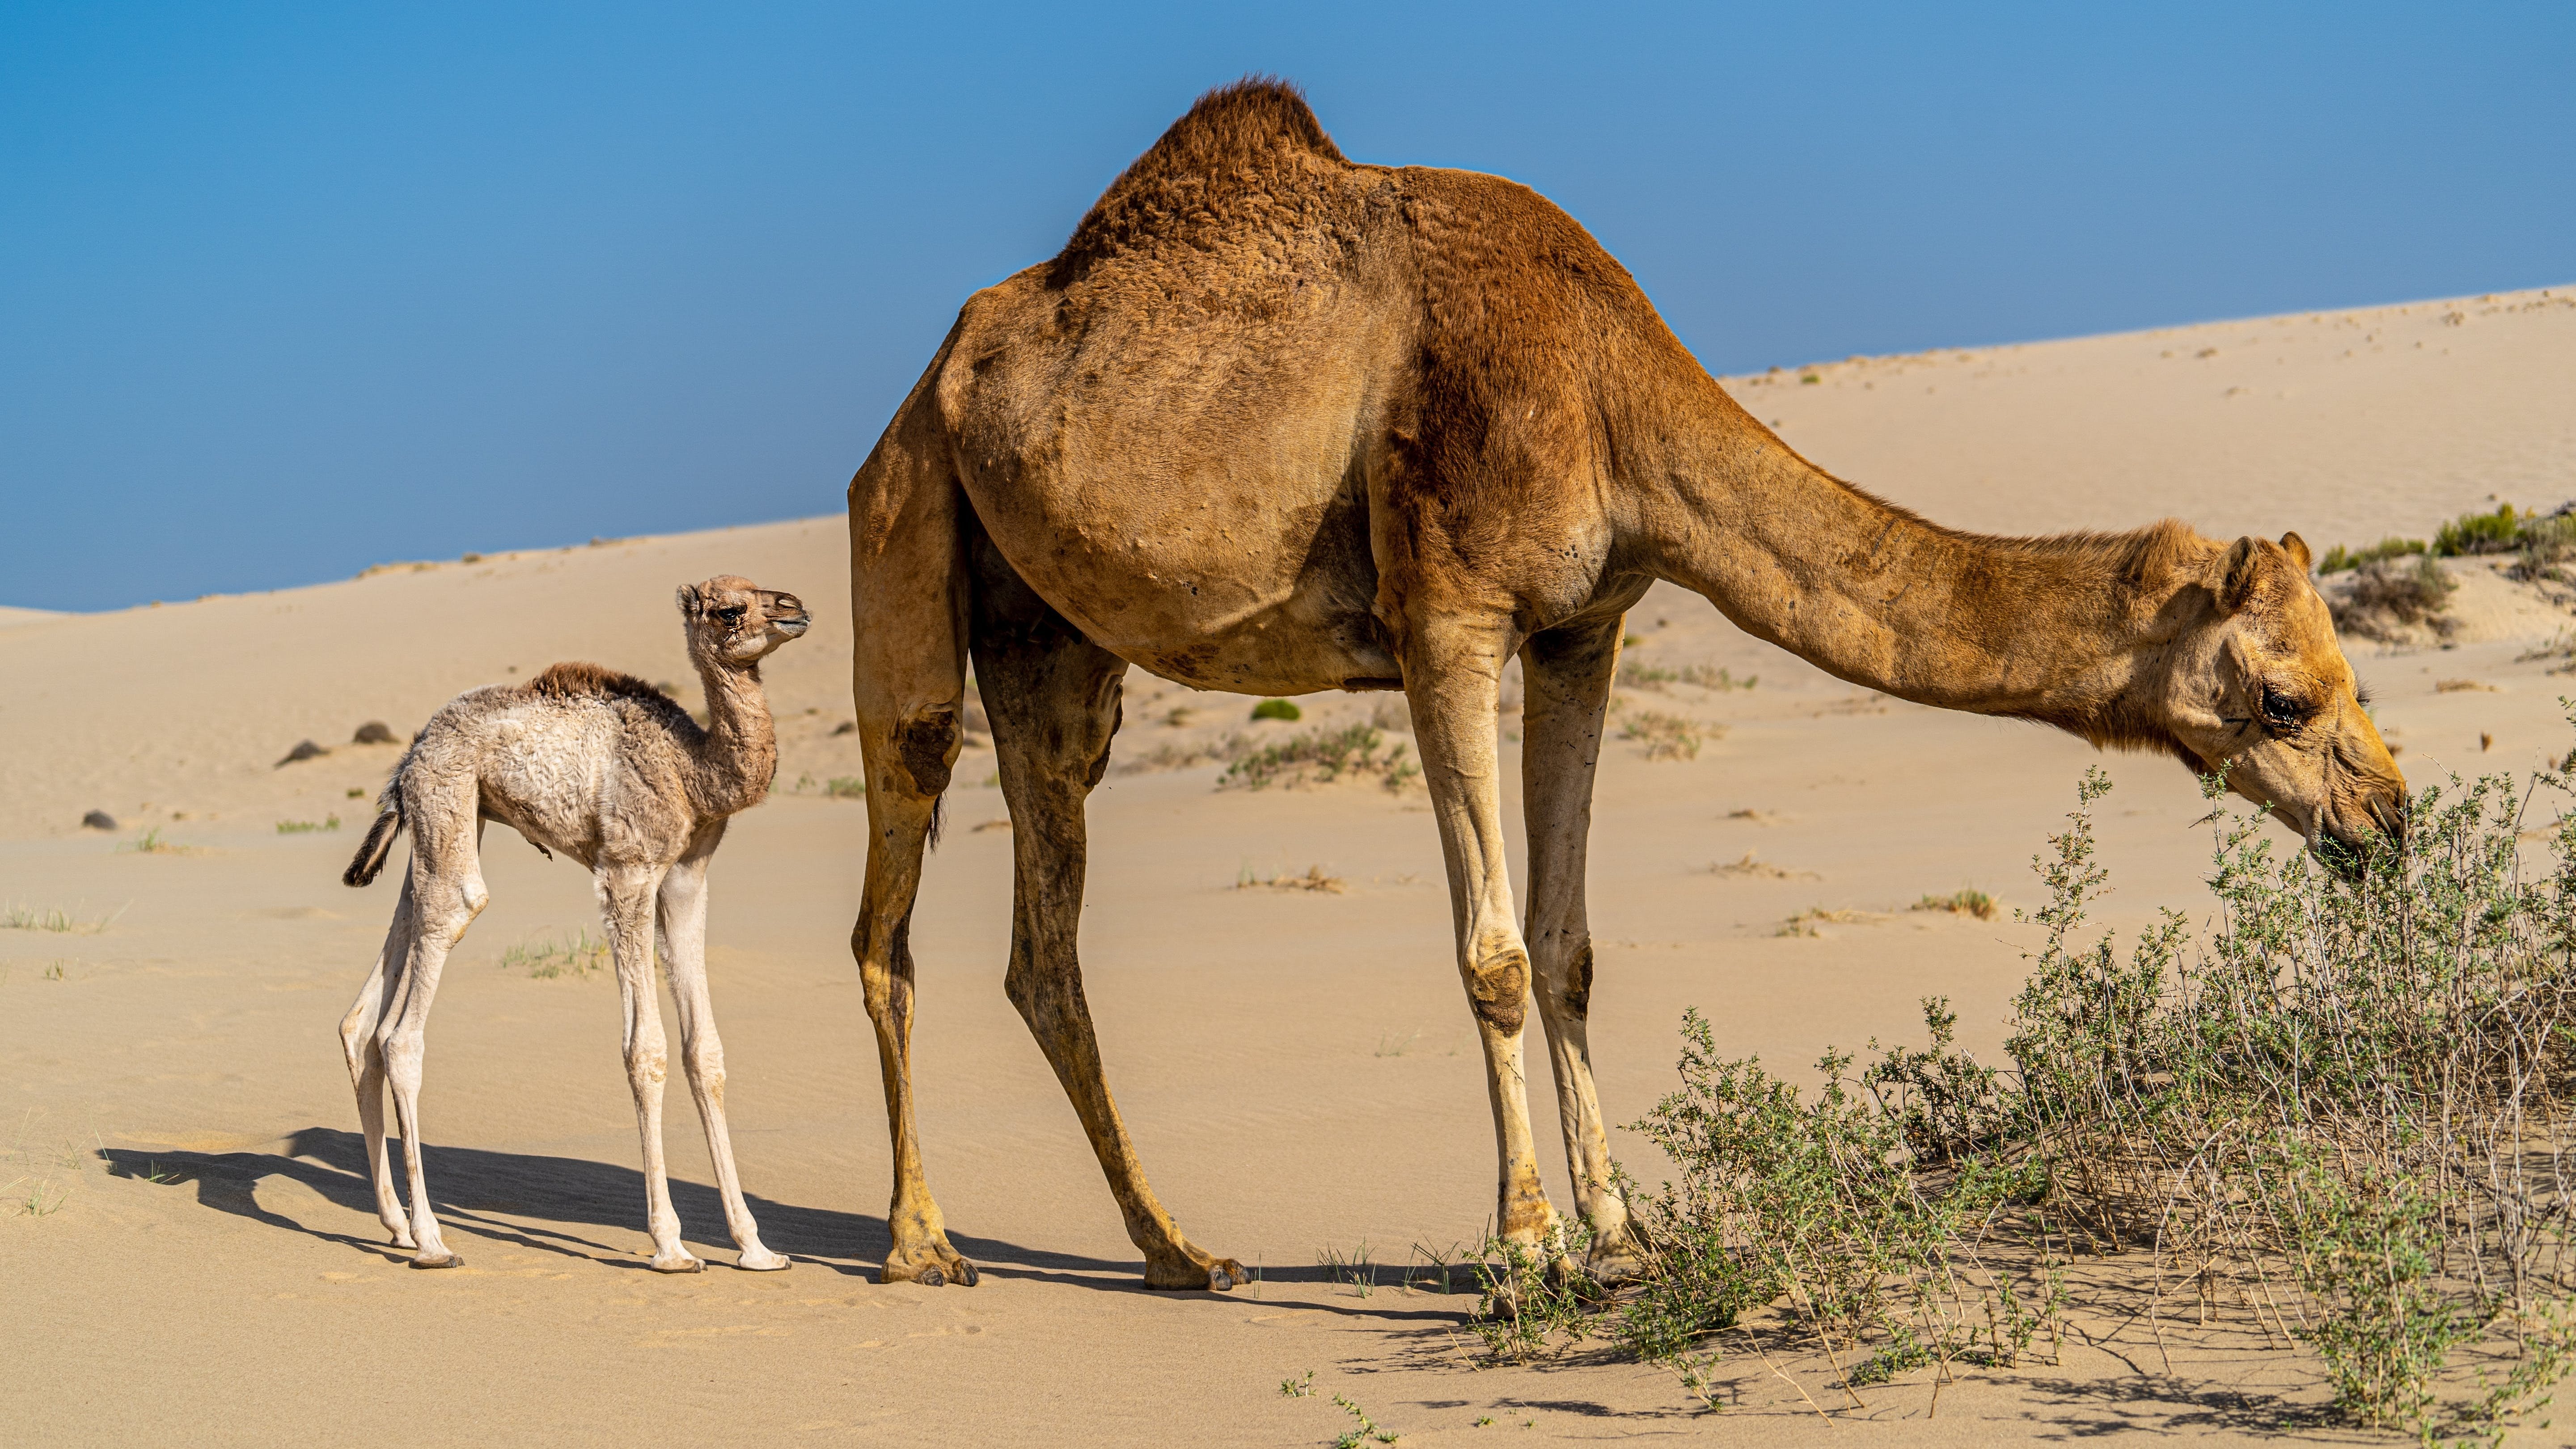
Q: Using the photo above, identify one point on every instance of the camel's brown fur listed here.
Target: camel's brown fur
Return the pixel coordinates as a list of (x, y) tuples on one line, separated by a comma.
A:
[(1277, 422)]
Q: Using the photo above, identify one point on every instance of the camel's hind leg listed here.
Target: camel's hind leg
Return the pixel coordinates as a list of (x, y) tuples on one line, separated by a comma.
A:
[(446, 885), (1053, 698), (908, 681), (366, 1057), (1453, 665), (1569, 670)]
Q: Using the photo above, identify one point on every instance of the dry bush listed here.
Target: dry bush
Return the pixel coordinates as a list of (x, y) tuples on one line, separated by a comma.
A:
[(1668, 736), (2390, 598)]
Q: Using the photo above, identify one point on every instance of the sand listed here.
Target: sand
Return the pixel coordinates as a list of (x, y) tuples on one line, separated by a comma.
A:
[(202, 1264)]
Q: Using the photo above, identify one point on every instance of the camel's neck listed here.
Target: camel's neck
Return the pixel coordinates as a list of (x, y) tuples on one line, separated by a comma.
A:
[(2059, 629), (738, 756)]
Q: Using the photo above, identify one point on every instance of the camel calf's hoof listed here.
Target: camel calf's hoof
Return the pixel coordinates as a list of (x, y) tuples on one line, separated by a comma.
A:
[(763, 1261), (443, 1260), (681, 1264), (1220, 1275)]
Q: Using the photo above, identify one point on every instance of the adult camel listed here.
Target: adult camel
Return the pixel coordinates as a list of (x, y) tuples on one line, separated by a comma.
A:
[(1273, 422)]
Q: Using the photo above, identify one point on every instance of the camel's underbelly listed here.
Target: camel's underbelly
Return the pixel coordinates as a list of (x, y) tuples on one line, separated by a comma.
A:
[(1201, 619)]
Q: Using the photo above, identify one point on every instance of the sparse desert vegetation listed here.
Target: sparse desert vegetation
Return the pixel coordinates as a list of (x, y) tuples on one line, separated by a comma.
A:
[(579, 955), (308, 827), (1314, 880), (1319, 756), (19, 916), (1667, 736), (1960, 903), (2339, 1122), (2390, 597)]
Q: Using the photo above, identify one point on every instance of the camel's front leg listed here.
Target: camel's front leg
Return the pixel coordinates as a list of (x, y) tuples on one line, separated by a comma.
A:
[(684, 938), (908, 680), (1452, 679), (366, 1056), (1569, 671), (626, 906), (1053, 698)]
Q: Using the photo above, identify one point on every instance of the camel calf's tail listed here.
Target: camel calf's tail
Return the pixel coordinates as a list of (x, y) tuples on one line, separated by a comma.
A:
[(378, 844)]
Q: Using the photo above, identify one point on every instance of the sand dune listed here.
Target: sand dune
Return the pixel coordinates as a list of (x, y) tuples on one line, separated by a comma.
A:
[(1298, 1067)]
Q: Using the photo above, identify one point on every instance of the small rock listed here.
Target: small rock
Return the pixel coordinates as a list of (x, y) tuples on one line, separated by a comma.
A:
[(374, 732), (304, 750), (846, 727), (99, 820)]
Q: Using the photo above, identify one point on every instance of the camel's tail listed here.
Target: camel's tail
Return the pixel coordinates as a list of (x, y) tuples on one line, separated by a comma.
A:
[(379, 842)]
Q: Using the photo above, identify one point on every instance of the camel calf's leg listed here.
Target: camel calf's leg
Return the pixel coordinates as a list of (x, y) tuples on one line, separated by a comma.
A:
[(1569, 672), (1053, 698), (908, 681), (684, 936), (447, 893), (626, 906), (367, 1059), (1452, 679)]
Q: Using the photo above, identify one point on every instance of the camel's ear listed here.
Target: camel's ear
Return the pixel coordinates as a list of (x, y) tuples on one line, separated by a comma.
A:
[(2236, 585), (2297, 548), (688, 601)]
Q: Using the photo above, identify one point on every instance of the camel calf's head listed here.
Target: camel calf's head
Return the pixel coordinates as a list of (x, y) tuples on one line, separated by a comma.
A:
[(2260, 687), (737, 621)]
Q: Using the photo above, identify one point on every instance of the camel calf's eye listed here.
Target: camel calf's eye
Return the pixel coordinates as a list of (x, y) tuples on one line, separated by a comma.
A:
[(732, 615), (2280, 709)]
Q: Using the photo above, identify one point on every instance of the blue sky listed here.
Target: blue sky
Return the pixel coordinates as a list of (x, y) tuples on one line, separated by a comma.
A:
[(285, 292)]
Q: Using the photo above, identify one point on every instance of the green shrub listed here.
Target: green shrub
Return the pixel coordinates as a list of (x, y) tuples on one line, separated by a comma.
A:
[(2389, 598), (2469, 533), (1278, 709), (2339, 560)]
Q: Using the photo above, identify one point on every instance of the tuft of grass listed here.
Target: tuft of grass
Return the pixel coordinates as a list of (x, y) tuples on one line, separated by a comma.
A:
[(151, 843), (1322, 755), (54, 971), (1313, 880), (22, 917), (1712, 677), (547, 957), (846, 787), (1280, 709), (1805, 922), (307, 827), (1647, 676), (1761, 869), (1391, 1045), (1667, 736), (1356, 1269), (1303, 1386), (1969, 902)]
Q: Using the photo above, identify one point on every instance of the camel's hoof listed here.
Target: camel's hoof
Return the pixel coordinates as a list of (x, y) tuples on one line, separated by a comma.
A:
[(1614, 1269), (442, 1260), (1219, 1276), (938, 1272), (762, 1261), (681, 1264)]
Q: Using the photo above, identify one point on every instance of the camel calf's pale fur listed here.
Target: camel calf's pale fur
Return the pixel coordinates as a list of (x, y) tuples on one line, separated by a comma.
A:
[(606, 769)]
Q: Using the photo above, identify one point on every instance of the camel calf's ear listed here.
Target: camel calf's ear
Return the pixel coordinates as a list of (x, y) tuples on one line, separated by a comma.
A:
[(2297, 548), (2236, 585), (688, 601)]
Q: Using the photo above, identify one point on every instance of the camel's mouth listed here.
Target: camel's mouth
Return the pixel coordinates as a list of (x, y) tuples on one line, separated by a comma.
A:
[(791, 627)]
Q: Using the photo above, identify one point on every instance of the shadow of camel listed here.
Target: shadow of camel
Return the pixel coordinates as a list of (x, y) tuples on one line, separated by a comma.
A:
[(549, 1202)]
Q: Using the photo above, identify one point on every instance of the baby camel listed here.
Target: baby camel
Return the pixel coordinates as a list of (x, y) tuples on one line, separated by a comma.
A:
[(608, 770)]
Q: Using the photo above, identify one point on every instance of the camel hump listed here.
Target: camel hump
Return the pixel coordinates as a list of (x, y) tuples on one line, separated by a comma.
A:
[(1253, 136), (569, 681)]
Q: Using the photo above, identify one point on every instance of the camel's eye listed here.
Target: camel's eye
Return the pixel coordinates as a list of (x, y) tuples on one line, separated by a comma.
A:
[(732, 615), (2280, 710)]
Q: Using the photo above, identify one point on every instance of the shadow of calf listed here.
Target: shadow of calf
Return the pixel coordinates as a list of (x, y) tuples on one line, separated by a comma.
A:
[(556, 1200)]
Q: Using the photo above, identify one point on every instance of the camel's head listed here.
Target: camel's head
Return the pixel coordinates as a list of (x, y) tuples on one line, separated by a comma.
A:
[(2258, 684), (737, 621)]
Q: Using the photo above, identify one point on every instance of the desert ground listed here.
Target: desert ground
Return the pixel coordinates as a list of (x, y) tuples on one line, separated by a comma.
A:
[(188, 1251)]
